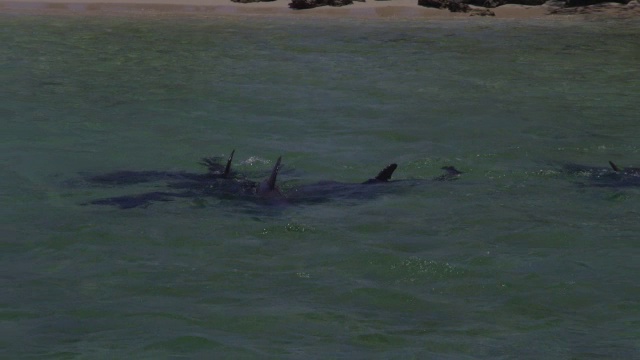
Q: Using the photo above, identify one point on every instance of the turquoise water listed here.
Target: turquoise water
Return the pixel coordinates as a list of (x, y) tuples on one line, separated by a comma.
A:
[(514, 260)]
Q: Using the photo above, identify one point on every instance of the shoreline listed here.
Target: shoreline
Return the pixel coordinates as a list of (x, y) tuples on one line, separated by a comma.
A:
[(388, 9)]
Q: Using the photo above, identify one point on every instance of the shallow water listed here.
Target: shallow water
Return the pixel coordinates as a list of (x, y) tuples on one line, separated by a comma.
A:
[(514, 260)]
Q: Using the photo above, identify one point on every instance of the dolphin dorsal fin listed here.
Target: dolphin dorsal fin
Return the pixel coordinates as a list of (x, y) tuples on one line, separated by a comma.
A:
[(271, 182), (385, 174), (268, 186), (227, 169), (614, 167)]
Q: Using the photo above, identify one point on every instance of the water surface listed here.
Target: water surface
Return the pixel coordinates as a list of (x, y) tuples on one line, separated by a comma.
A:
[(514, 260)]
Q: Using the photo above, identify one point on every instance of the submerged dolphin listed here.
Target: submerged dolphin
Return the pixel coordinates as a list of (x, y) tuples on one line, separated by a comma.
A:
[(126, 177), (320, 191), (627, 171), (216, 183), (139, 200), (193, 183), (268, 192), (612, 176), (220, 183)]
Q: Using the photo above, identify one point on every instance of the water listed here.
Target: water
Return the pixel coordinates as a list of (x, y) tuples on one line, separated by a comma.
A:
[(515, 260)]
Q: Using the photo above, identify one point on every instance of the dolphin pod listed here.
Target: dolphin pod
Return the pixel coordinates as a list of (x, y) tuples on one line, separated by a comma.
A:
[(221, 181)]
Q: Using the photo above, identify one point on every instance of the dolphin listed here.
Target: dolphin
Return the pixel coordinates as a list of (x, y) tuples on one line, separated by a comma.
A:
[(140, 200), (194, 183), (380, 184), (127, 177), (451, 173), (267, 188), (628, 171), (612, 176), (384, 175), (214, 167), (221, 182)]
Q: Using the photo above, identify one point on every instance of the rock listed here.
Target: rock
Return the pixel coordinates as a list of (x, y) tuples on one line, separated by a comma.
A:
[(303, 4), (438, 4), (250, 1), (453, 6), (488, 3), (310, 4), (338, 3)]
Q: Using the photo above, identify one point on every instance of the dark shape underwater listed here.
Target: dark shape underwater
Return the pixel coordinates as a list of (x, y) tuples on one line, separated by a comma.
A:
[(599, 176), (223, 183), (216, 170)]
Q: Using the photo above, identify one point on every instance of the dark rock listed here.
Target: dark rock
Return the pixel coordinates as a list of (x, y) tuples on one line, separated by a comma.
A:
[(485, 3), (438, 4), (338, 3), (250, 1), (303, 4), (310, 4), (453, 6), (489, 3)]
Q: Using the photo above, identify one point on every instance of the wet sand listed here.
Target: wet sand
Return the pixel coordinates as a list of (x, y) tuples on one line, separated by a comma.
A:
[(369, 9)]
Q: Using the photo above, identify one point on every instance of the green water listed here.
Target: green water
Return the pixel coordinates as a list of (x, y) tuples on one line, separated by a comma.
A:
[(515, 260)]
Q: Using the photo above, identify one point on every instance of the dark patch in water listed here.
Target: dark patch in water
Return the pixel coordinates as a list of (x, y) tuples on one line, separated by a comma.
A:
[(223, 183)]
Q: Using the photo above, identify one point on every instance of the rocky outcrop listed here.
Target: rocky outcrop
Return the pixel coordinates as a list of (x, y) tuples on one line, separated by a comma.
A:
[(482, 7), (455, 6)]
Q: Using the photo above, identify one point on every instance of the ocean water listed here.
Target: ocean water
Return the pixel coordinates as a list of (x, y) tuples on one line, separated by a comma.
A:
[(515, 260)]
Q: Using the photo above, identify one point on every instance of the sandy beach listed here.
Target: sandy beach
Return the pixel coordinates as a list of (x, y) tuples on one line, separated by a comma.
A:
[(369, 9)]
